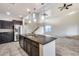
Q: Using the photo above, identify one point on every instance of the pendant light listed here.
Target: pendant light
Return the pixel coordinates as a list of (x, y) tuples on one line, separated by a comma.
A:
[(34, 15)]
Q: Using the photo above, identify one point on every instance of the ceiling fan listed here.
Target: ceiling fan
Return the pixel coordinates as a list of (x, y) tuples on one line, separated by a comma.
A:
[(65, 6)]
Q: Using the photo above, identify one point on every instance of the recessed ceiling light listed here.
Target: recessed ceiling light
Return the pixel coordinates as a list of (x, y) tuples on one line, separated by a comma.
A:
[(28, 10), (35, 20), (20, 15), (8, 13), (29, 21)]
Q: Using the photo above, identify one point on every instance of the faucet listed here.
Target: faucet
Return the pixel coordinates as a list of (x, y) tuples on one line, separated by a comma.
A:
[(33, 32)]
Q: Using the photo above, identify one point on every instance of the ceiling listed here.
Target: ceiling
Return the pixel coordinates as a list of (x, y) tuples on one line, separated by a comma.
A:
[(17, 9), (55, 16)]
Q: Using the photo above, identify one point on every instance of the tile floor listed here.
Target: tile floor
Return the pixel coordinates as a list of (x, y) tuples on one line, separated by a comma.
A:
[(64, 47), (11, 49), (67, 47)]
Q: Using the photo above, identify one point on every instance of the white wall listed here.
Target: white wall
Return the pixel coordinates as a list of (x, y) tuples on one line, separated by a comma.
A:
[(65, 26), (73, 30)]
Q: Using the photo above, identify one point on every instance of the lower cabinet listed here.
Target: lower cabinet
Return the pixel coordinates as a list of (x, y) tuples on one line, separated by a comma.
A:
[(35, 51), (21, 41), (29, 46), (6, 37)]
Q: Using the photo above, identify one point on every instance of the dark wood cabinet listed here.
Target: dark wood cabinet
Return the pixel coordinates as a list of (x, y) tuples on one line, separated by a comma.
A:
[(9, 24), (6, 37), (21, 41), (34, 51), (29, 46), (6, 24), (17, 22), (0, 24), (34, 48), (0, 38)]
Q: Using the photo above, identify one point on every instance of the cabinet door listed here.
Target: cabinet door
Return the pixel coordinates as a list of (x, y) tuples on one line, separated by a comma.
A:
[(0, 24), (34, 50), (6, 37), (9, 36), (6, 24), (24, 44), (0, 38), (28, 46), (21, 41)]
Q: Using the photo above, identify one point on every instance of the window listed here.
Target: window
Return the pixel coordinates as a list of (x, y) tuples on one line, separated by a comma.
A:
[(48, 28)]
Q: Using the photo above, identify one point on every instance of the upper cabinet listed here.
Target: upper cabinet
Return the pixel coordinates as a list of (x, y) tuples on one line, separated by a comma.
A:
[(9, 24), (6, 24), (17, 22)]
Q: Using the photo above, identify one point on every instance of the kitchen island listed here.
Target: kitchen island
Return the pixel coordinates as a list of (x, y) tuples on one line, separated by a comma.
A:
[(38, 45)]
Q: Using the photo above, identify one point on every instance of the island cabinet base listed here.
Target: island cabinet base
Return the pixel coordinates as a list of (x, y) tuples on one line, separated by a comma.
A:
[(29, 46), (33, 48)]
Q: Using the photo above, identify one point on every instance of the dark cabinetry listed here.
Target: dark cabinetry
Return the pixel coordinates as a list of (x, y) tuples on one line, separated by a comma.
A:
[(9, 24), (29, 46), (35, 49), (17, 22), (6, 37), (21, 41), (6, 24), (0, 24)]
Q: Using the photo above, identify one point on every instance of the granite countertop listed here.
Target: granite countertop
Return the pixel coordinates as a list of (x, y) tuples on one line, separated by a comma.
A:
[(40, 38)]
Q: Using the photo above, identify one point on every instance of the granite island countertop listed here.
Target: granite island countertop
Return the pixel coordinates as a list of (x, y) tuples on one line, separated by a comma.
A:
[(41, 39)]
